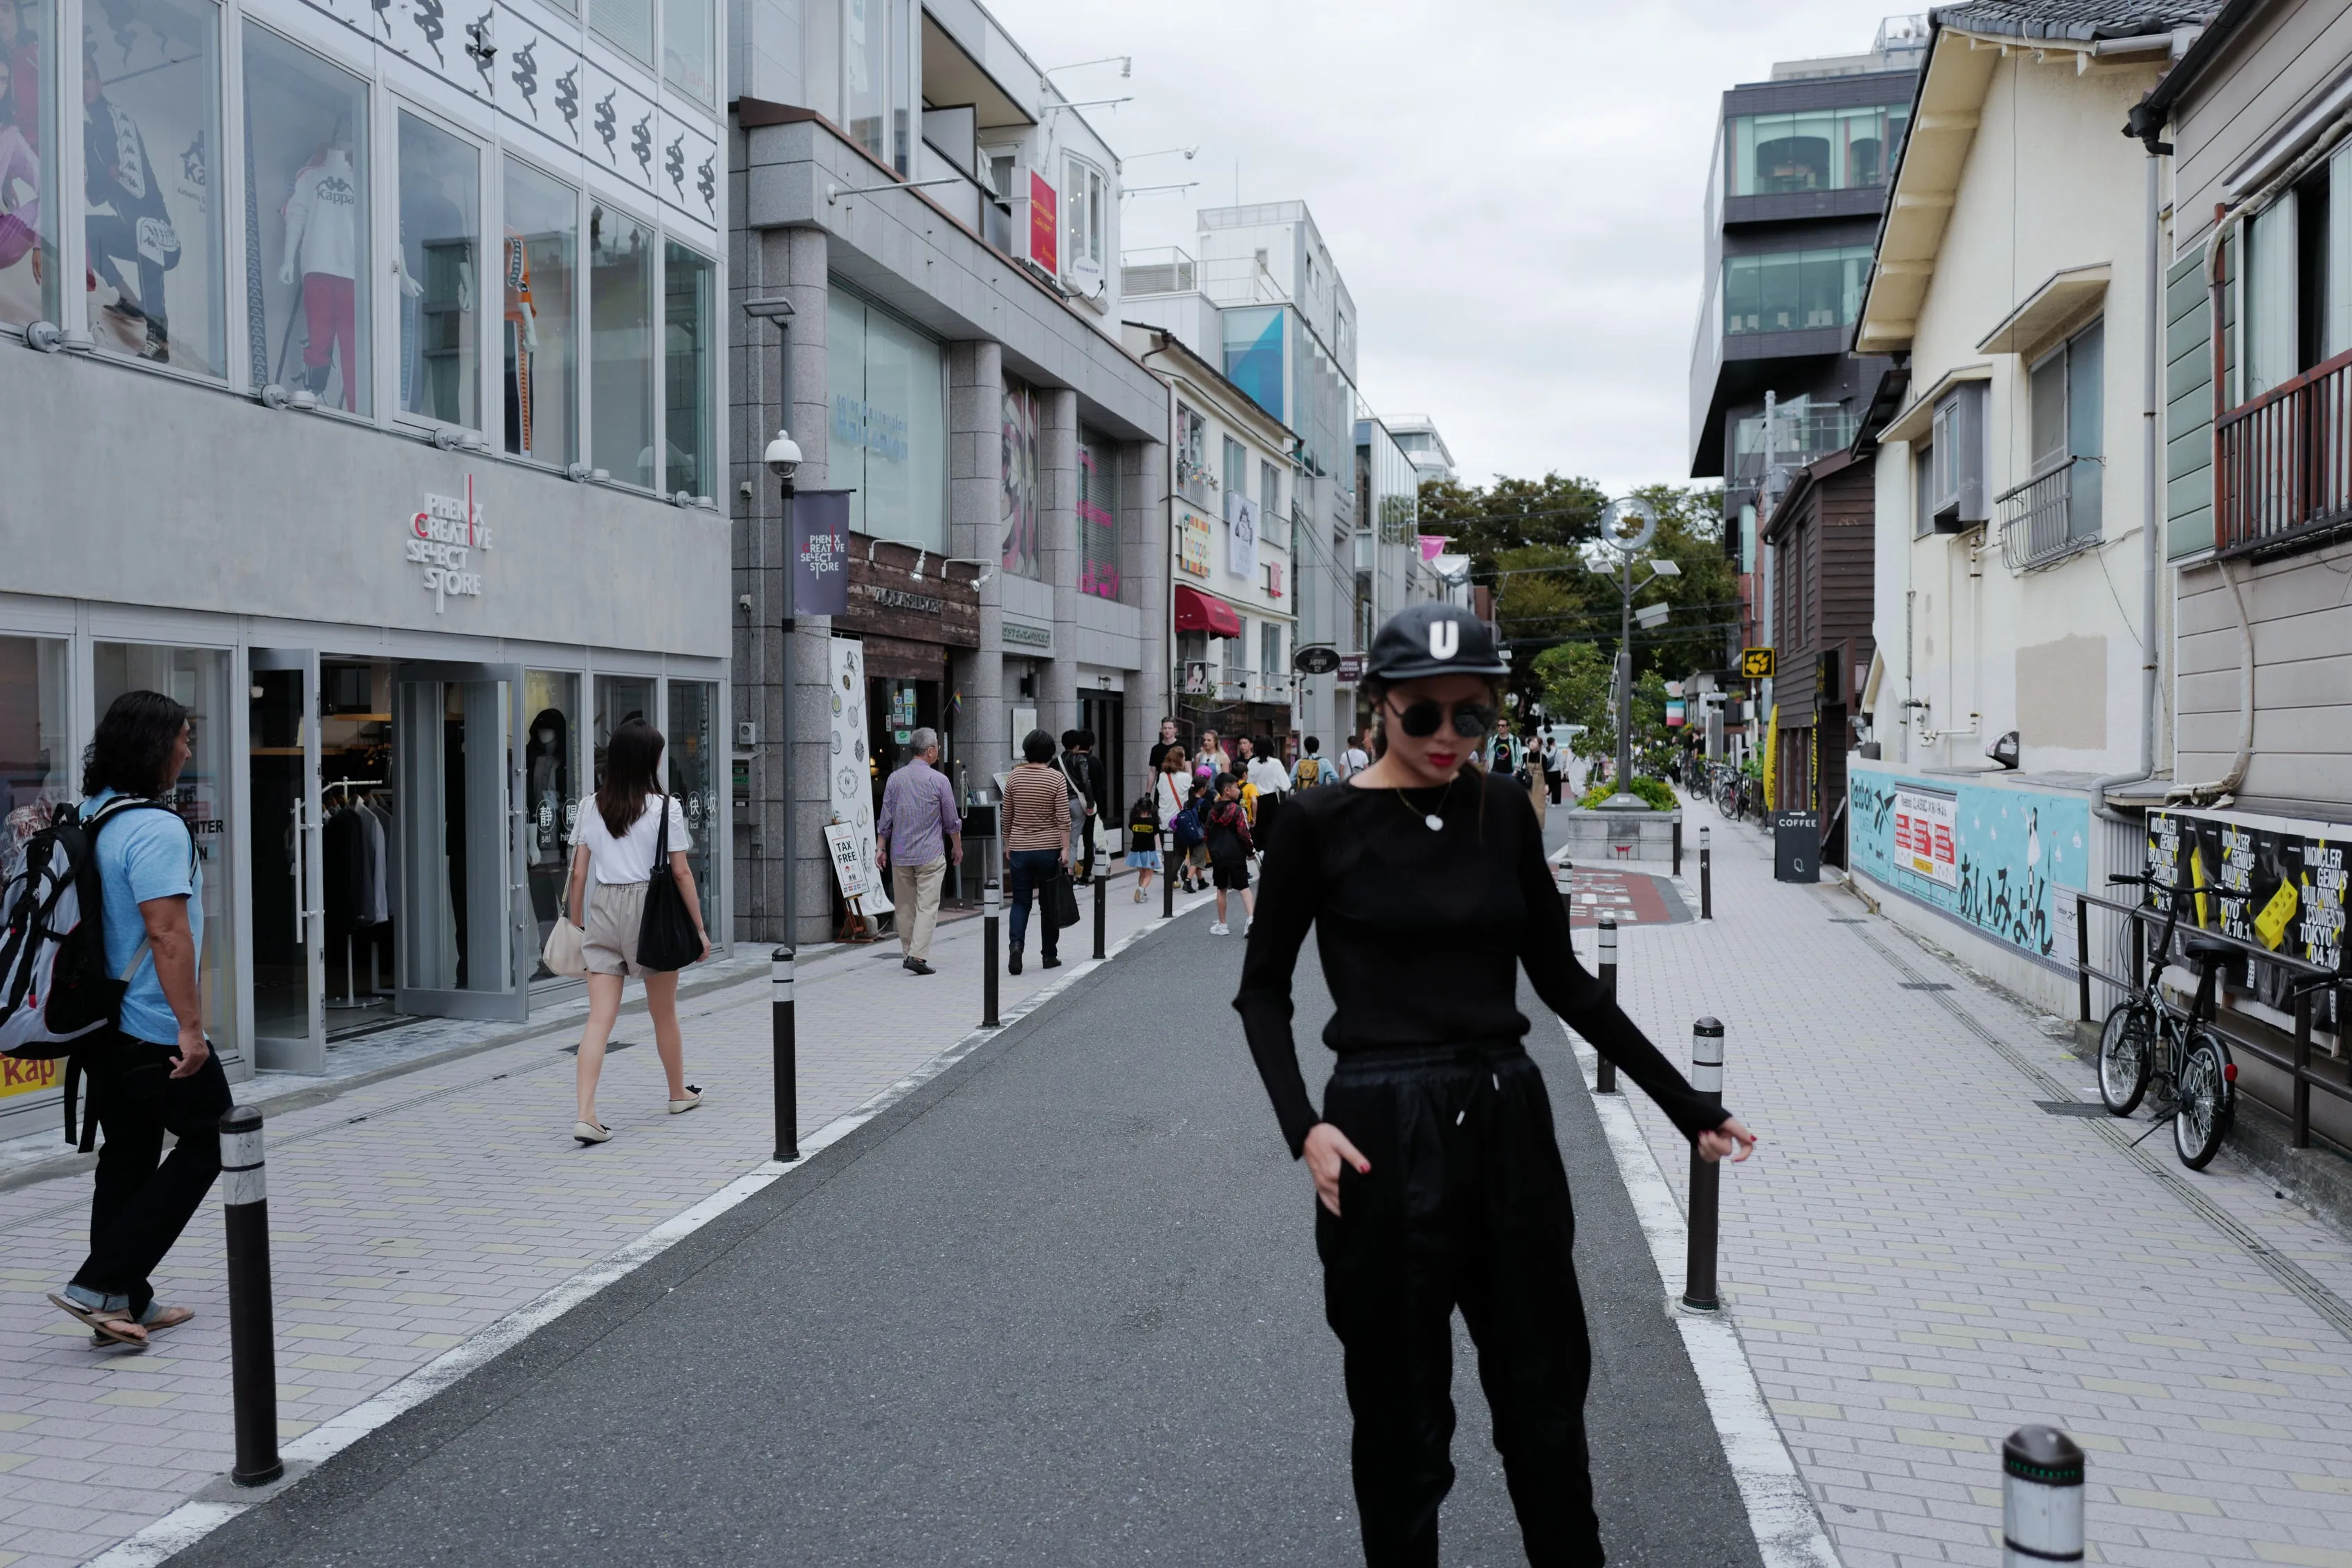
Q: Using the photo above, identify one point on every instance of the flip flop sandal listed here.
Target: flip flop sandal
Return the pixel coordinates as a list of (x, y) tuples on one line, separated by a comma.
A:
[(112, 1327), (157, 1319)]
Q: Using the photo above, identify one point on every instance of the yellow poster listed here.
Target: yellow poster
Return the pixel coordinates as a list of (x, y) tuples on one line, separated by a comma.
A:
[(28, 1077)]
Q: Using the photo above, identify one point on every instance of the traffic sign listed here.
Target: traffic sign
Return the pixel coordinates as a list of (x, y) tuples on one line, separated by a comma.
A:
[(1756, 663)]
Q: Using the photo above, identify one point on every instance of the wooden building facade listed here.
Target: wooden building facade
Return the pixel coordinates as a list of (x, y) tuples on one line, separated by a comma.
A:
[(1820, 536)]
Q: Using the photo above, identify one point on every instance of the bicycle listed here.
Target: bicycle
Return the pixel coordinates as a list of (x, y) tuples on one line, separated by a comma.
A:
[(2147, 1039)]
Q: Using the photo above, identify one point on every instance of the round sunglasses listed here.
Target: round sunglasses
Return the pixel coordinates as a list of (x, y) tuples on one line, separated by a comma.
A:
[(1471, 720)]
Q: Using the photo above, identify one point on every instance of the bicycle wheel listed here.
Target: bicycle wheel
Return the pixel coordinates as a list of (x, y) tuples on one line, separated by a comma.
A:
[(2201, 1115), (2126, 1042)]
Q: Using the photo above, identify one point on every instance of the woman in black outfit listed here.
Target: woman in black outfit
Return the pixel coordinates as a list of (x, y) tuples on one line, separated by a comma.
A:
[(1433, 1158)]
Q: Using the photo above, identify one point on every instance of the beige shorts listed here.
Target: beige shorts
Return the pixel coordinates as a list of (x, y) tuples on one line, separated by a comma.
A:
[(615, 912)]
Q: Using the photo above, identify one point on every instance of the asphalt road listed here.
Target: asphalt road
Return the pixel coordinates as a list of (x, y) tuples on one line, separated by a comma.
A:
[(1060, 1307)]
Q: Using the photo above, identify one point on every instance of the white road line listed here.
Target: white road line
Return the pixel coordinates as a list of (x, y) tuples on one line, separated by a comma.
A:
[(1787, 1526), (192, 1522)]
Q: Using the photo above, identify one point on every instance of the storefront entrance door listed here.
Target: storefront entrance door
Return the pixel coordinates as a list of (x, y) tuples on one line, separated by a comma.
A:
[(289, 929), (466, 924)]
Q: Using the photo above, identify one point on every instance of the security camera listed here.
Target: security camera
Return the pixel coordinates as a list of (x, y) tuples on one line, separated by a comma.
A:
[(783, 455)]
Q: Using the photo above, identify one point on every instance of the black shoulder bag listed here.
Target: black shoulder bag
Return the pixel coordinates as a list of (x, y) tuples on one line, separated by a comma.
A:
[(666, 938)]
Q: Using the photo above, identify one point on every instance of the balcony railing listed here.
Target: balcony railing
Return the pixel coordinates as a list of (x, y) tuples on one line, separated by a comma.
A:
[(2284, 461), (2038, 526), (1798, 439)]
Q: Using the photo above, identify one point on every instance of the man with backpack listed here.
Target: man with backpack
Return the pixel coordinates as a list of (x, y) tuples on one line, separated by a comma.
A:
[(1310, 769), (151, 1071)]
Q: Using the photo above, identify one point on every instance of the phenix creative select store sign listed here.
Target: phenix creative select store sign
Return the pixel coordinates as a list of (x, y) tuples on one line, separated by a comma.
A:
[(442, 539)]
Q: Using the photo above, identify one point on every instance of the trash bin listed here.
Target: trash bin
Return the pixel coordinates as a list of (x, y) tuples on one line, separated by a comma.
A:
[(1796, 846)]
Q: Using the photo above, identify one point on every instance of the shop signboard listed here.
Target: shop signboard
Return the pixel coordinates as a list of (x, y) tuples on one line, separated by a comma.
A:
[(821, 553), (1241, 518), (1193, 546), (2002, 861), (1043, 223), (849, 869), (852, 781)]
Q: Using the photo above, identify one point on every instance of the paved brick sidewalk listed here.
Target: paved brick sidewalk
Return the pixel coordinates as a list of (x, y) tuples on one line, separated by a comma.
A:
[(1920, 1259), (412, 1213)]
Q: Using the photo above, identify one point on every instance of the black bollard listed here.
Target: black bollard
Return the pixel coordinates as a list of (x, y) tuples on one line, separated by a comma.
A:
[(784, 1032), (252, 1340), (2041, 1497), (1167, 875), (1706, 877), (1678, 844), (1102, 912), (1706, 1175), (1605, 1081), (994, 904)]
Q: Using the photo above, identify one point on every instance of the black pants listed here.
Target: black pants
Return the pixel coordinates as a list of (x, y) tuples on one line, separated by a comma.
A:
[(1466, 1204), (140, 1207)]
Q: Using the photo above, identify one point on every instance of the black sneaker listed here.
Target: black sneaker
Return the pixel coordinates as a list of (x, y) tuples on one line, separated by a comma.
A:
[(916, 967), (1012, 962), (1051, 962)]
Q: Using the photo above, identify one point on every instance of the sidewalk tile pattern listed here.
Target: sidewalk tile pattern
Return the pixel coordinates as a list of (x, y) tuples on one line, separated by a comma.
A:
[(1920, 1259)]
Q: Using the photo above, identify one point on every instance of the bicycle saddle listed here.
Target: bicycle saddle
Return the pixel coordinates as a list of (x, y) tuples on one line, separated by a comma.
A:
[(2207, 947)]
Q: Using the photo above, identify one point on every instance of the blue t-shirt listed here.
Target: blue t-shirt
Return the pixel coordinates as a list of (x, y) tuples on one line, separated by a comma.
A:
[(145, 854)]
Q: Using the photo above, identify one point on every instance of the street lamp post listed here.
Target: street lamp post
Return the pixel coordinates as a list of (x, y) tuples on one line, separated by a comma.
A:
[(783, 460), (1626, 526)]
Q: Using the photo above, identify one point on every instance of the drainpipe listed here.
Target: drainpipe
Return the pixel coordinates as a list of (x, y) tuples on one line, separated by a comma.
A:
[(2151, 513)]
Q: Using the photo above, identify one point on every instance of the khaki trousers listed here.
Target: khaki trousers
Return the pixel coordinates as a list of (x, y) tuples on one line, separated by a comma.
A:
[(916, 891)]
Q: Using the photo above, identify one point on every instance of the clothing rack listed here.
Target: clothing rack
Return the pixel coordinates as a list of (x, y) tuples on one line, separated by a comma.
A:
[(350, 997)]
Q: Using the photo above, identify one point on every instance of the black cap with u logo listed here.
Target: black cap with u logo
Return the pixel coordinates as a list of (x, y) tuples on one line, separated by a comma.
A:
[(1433, 639)]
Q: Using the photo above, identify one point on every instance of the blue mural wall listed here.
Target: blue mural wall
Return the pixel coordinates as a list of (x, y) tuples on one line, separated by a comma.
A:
[(1991, 858)]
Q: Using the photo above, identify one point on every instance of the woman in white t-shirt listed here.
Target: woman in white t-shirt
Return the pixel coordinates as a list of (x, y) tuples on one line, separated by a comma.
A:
[(613, 848)]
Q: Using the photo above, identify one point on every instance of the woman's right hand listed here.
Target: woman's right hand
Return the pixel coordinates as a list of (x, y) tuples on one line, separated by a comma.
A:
[(1326, 1150)]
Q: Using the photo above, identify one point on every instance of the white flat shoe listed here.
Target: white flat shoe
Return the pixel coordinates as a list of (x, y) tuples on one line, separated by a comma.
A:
[(590, 1132), (693, 1098)]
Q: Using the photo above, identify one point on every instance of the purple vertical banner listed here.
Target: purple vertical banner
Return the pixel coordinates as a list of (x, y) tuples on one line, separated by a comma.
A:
[(821, 552)]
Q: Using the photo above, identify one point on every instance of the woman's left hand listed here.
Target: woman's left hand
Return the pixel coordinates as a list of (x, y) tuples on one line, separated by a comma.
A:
[(1713, 1147)]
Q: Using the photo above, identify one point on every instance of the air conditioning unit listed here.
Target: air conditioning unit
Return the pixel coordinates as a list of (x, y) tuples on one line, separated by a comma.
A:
[(1956, 498)]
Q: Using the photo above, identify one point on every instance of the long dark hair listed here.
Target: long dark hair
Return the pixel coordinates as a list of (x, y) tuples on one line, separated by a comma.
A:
[(632, 770), (131, 752)]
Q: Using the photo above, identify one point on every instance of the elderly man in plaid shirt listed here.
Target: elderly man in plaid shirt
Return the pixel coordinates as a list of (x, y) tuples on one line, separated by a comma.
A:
[(920, 831)]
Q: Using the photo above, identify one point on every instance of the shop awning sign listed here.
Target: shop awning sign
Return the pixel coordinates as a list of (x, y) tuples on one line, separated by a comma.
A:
[(442, 539)]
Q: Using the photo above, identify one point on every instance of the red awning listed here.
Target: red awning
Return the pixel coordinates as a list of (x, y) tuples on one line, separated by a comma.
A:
[(1199, 611)]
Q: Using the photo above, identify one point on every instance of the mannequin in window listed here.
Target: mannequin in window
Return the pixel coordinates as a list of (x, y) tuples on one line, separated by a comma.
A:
[(548, 755), (522, 343), (20, 167), (322, 249), (128, 219)]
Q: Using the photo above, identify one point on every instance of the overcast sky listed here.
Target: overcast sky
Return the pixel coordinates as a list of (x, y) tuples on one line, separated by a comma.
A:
[(1513, 189)]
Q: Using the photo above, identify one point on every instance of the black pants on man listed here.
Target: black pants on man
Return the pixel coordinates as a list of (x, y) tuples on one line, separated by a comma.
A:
[(144, 1198), (1466, 1204)]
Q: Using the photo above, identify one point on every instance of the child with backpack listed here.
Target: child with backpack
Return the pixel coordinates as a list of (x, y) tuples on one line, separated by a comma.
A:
[(1189, 829), (1143, 839), (1228, 834)]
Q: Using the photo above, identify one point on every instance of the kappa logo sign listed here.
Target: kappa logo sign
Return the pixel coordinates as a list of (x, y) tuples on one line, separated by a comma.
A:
[(1444, 639), (1756, 663)]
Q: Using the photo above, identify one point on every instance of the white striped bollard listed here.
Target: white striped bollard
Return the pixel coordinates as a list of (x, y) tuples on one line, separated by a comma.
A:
[(252, 1336), (1706, 1175), (784, 1031), (2041, 1497)]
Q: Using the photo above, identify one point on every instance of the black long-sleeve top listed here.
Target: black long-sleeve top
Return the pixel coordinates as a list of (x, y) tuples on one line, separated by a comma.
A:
[(1419, 933)]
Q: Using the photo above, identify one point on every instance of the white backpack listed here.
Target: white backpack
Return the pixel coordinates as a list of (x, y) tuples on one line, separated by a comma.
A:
[(54, 988)]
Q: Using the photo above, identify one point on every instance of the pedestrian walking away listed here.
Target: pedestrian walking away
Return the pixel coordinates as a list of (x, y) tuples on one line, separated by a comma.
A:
[(1143, 820), (1077, 766), (1271, 780), (1036, 844), (615, 848), (1553, 766), (1437, 1174), (1310, 769), (152, 1072), (918, 835), (1230, 849), (1355, 758)]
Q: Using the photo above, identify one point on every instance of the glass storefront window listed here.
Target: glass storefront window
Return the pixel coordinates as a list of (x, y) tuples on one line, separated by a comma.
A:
[(620, 698), (440, 239), (690, 55), (1814, 149), (1098, 515), (306, 221), (1794, 290), (540, 336), (627, 26), (693, 769), (620, 345), (151, 137), (550, 792), (865, 75), (36, 773), (689, 314), (1024, 538), (890, 424), (196, 678), (28, 162)]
